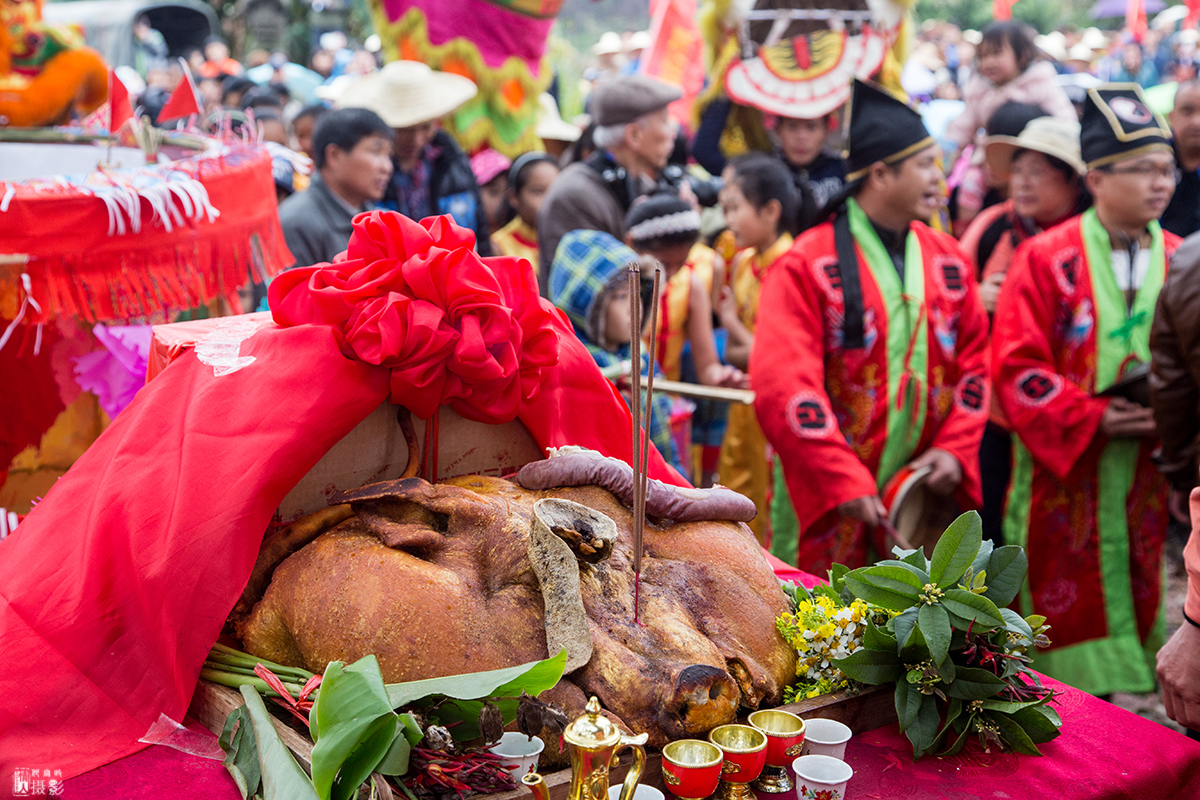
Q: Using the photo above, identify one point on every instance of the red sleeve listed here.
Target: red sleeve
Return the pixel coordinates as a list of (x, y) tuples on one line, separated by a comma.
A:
[(1055, 419), (962, 430), (787, 371)]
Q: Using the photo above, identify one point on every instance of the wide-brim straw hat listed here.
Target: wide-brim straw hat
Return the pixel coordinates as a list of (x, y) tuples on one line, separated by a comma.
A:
[(407, 93), (551, 125), (1051, 136), (609, 45)]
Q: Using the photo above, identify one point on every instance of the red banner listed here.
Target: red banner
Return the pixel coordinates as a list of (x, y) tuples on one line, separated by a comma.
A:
[(1135, 19), (676, 52)]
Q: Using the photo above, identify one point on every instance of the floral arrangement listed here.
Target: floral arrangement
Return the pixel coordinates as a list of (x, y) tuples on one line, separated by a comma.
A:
[(822, 629), (939, 630)]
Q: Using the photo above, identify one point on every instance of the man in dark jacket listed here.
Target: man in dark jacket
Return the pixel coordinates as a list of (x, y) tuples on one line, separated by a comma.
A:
[(1175, 393), (1182, 216), (432, 175), (353, 149), (634, 138)]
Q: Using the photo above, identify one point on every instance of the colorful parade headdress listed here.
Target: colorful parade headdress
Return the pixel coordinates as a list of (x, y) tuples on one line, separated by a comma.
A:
[(798, 57)]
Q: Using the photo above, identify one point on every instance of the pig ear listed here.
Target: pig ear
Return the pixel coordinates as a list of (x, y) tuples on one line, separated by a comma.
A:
[(413, 501)]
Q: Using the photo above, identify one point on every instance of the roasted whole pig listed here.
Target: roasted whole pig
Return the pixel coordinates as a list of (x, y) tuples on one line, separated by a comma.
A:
[(436, 579)]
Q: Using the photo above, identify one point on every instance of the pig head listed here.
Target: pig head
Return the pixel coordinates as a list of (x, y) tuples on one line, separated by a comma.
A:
[(436, 579)]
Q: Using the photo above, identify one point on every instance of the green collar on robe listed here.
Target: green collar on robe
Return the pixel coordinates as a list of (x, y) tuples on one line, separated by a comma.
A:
[(1120, 334), (907, 341)]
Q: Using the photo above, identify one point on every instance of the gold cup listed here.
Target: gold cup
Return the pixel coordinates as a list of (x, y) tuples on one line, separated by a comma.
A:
[(745, 750), (692, 768), (785, 738)]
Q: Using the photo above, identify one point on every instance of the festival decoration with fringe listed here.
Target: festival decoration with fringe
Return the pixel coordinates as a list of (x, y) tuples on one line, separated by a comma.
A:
[(504, 114), (140, 244)]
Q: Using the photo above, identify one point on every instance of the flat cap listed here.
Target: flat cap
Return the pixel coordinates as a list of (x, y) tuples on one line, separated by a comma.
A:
[(622, 100)]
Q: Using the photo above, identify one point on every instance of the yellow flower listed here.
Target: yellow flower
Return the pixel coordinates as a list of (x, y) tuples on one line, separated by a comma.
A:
[(827, 630)]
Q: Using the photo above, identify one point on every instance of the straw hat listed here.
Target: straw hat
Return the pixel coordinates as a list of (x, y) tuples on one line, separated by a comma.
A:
[(1051, 45), (610, 44), (638, 40), (551, 124), (407, 93), (1095, 39), (1080, 52), (1050, 136)]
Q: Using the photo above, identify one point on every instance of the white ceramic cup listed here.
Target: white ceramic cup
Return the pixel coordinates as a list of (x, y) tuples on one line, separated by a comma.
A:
[(821, 776), (642, 792), (520, 753), (825, 737)]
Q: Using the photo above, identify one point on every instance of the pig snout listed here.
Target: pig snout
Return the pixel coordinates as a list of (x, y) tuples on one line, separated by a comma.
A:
[(703, 698)]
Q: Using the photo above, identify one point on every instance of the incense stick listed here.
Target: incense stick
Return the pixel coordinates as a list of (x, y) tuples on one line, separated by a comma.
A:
[(635, 357), (637, 556)]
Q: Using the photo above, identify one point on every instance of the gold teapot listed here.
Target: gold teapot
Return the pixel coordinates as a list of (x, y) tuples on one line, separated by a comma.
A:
[(594, 741)]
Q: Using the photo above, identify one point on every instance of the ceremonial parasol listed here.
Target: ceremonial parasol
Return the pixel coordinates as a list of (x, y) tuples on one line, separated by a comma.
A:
[(1117, 8)]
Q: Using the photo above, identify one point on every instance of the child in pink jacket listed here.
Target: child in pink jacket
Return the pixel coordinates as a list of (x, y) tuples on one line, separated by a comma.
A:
[(1006, 69)]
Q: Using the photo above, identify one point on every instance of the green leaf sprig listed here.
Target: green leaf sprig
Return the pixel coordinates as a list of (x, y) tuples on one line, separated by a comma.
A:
[(958, 657)]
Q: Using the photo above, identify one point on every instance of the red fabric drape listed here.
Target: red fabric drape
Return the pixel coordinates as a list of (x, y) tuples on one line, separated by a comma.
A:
[(116, 585)]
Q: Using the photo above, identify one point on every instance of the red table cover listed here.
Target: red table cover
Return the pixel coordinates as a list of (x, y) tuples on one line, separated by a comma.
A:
[(1104, 753), (116, 585)]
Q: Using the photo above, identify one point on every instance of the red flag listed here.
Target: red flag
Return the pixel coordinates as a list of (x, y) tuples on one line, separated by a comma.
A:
[(1193, 15), (676, 52), (1135, 19), (183, 101), (1002, 9), (120, 110)]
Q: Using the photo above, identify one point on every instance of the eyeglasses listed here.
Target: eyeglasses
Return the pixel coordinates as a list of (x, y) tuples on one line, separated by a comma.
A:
[(1145, 170)]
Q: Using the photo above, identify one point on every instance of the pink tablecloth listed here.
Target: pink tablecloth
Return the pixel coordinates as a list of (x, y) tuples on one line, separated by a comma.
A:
[(1104, 752)]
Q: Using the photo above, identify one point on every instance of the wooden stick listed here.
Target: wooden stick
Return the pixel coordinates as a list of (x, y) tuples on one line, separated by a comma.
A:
[(722, 393), (635, 358), (637, 555)]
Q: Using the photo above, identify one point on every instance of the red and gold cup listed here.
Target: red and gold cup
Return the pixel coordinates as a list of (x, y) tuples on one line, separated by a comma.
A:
[(785, 739), (692, 768), (745, 750)]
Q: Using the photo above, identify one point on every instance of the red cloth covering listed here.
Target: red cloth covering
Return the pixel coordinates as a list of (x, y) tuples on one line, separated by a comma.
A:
[(1104, 753), (114, 588)]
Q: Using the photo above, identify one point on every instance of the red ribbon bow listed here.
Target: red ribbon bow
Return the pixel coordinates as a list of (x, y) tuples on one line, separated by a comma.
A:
[(453, 328)]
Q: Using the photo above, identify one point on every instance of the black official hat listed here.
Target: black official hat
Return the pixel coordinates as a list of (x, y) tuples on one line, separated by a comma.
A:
[(1118, 125), (882, 128), (622, 100)]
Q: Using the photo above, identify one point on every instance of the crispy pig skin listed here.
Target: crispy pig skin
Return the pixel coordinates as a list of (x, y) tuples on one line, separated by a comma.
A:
[(455, 592)]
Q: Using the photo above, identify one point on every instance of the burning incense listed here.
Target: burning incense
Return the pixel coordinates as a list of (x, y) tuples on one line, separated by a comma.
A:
[(641, 441), (635, 374)]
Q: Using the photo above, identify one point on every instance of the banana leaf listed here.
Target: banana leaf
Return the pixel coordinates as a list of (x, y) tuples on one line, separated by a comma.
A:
[(465, 693)]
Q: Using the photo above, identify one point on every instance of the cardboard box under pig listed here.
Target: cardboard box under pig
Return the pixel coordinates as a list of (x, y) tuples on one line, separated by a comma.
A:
[(375, 451)]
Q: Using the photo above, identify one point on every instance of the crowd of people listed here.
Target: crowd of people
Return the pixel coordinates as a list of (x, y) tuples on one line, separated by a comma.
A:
[(972, 285)]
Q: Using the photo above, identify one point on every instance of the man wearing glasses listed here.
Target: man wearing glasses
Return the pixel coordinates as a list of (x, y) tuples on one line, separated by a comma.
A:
[(1070, 342)]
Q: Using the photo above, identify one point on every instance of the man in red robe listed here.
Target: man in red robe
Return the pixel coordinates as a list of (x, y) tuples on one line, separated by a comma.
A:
[(872, 346), (1074, 319)]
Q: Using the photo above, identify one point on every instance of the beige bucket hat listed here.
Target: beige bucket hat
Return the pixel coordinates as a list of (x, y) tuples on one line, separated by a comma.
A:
[(407, 93), (551, 124), (1058, 138)]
